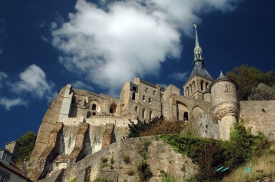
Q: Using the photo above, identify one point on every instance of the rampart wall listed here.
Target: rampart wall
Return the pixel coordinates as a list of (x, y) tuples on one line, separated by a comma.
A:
[(161, 157), (259, 116)]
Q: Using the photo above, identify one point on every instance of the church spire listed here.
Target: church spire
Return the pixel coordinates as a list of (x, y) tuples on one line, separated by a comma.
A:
[(197, 50)]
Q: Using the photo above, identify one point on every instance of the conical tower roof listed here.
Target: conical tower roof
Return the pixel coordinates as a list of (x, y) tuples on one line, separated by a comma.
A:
[(198, 60)]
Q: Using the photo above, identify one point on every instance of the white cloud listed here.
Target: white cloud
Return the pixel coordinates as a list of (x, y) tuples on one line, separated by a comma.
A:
[(179, 76), (3, 77), (33, 81), (130, 38), (8, 103), (82, 85)]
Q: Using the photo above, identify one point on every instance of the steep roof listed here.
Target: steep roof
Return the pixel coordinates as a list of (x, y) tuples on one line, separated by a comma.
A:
[(198, 60)]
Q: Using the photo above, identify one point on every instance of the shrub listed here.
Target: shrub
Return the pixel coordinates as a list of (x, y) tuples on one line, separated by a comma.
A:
[(167, 177), (101, 180), (104, 159), (112, 160), (130, 172), (144, 151), (211, 154), (126, 159), (26, 143), (144, 171), (156, 126)]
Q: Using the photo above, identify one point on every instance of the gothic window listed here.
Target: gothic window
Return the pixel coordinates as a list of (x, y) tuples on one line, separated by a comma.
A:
[(143, 113), (201, 85), (94, 107), (150, 100), (112, 108)]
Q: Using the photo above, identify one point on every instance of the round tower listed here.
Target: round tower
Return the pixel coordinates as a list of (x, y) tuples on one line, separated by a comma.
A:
[(224, 104)]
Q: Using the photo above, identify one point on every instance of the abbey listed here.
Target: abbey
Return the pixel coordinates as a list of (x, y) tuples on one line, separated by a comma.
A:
[(79, 122)]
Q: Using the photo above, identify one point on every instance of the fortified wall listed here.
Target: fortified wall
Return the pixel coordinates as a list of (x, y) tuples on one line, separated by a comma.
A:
[(79, 123)]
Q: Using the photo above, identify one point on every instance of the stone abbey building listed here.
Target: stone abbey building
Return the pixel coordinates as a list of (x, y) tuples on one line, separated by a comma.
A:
[(79, 122)]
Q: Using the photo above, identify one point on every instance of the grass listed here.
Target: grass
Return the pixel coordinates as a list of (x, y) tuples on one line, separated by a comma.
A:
[(260, 167)]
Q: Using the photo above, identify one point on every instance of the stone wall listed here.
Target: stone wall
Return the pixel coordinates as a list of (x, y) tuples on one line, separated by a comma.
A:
[(259, 116), (161, 157), (47, 125)]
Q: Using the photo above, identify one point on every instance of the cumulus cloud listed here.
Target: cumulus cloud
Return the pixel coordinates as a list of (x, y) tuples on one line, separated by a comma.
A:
[(123, 39), (8, 103), (33, 81), (82, 85), (179, 76)]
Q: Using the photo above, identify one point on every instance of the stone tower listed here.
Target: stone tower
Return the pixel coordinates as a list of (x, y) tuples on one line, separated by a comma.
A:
[(199, 79), (224, 104)]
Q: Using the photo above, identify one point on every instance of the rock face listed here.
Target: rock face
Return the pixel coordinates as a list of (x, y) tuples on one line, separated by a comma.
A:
[(110, 163), (79, 123)]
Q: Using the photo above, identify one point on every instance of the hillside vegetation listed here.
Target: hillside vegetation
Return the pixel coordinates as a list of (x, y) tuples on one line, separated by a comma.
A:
[(26, 143), (208, 153)]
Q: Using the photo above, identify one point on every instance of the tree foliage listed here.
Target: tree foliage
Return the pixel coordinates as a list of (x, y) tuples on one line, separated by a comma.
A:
[(249, 77), (211, 154), (156, 126), (262, 92), (26, 142)]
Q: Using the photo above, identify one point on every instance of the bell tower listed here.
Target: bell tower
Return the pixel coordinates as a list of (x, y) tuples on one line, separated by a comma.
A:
[(199, 80)]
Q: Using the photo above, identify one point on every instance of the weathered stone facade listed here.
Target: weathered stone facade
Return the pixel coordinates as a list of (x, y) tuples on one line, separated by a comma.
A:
[(161, 157), (80, 125)]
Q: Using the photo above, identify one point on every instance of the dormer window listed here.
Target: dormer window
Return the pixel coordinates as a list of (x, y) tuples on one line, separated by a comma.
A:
[(5, 156)]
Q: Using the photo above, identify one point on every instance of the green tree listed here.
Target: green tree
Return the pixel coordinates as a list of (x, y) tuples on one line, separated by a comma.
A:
[(249, 77), (26, 142), (262, 92)]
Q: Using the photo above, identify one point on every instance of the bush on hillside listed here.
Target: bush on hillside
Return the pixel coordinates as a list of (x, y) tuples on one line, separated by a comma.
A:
[(27, 143)]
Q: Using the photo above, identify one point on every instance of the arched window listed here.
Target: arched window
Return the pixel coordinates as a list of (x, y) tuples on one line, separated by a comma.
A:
[(150, 100), (143, 98), (136, 108), (150, 115), (112, 108), (185, 116), (94, 107), (201, 85)]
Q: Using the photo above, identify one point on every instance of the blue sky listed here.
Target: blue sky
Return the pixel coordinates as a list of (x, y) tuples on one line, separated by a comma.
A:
[(98, 45)]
